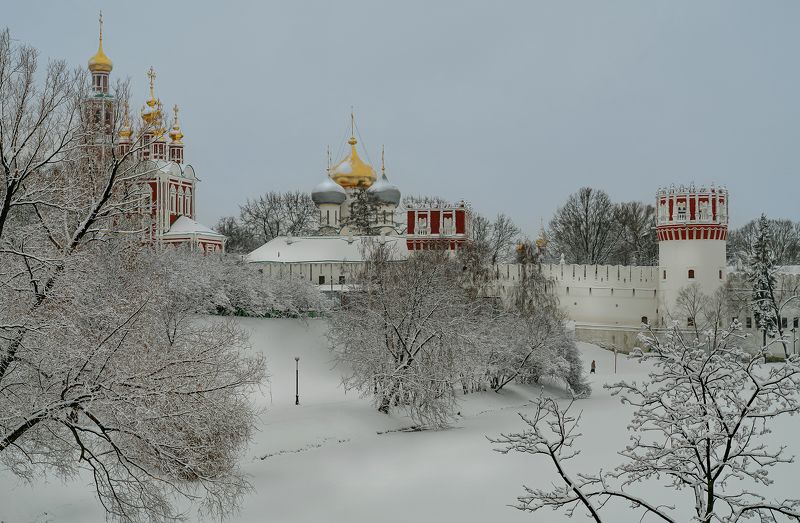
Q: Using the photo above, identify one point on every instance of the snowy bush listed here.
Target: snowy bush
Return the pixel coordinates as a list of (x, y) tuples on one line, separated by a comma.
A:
[(227, 286)]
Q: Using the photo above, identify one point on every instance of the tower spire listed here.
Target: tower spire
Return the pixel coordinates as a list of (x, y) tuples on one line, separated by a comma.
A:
[(383, 161), (151, 74), (175, 133), (125, 131), (100, 63), (176, 145), (329, 161), (352, 141)]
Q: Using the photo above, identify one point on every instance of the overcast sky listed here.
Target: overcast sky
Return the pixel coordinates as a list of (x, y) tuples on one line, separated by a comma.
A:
[(509, 105)]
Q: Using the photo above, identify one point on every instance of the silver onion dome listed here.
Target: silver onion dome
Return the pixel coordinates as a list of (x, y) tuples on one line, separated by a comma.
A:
[(328, 191), (384, 191)]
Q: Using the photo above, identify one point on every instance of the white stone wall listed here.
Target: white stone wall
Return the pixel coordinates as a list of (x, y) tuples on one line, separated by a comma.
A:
[(311, 271), (611, 295), (677, 257)]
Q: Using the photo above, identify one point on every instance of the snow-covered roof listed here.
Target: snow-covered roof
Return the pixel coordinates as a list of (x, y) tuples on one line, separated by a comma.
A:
[(184, 225), (168, 167), (323, 249)]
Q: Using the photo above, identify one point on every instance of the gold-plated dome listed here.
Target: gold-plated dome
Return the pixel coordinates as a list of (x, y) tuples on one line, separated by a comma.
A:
[(151, 112), (542, 240), (175, 133), (352, 172), (125, 132), (158, 124), (100, 63)]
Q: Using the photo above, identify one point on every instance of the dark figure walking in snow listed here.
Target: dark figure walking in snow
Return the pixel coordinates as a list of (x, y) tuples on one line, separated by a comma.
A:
[(594, 366)]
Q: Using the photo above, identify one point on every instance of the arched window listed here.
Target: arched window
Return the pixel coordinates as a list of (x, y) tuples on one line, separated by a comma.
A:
[(180, 200), (644, 320), (173, 196), (691, 274), (188, 207)]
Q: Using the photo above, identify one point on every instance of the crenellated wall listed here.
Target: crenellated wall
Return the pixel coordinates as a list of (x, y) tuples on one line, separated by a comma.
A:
[(610, 295)]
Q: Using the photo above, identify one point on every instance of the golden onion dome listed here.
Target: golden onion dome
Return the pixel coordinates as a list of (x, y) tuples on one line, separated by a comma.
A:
[(352, 172), (100, 63), (158, 123), (175, 133), (542, 241), (151, 112), (125, 132)]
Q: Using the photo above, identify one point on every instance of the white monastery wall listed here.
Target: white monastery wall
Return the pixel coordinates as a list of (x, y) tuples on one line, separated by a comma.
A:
[(593, 295)]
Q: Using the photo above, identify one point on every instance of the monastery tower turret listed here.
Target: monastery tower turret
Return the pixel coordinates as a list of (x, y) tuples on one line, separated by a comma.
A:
[(692, 233)]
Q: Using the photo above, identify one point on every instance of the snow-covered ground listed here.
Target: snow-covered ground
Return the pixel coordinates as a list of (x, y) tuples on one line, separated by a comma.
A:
[(334, 458)]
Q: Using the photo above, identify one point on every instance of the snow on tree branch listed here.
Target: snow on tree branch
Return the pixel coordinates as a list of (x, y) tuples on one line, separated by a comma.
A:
[(699, 425)]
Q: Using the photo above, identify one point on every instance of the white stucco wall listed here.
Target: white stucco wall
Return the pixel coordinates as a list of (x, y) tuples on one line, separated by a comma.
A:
[(611, 295), (677, 257)]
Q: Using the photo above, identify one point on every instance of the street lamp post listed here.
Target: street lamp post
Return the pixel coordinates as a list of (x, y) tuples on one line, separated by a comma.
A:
[(297, 380)]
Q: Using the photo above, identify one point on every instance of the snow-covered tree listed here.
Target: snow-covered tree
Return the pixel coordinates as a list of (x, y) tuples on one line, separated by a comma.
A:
[(225, 285), (278, 214), (761, 272), (92, 377), (406, 333), (700, 425), (784, 239), (239, 238), (592, 229), (414, 332), (637, 245), (586, 229), (700, 313), (494, 241), (534, 300), (363, 209)]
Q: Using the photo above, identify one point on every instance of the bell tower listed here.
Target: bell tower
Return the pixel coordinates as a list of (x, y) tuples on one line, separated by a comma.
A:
[(98, 108)]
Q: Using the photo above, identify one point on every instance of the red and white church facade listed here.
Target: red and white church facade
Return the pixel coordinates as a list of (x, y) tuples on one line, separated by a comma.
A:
[(165, 185)]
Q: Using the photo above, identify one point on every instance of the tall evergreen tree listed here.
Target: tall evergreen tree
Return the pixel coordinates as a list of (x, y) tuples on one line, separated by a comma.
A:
[(760, 271), (363, 213)]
